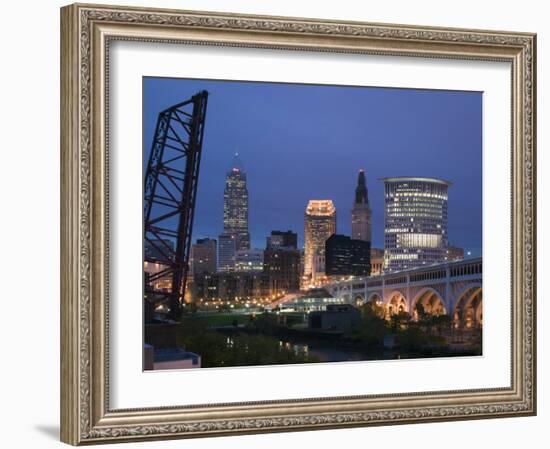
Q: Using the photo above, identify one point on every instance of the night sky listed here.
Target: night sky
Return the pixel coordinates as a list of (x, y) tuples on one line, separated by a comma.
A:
[(299, 142)]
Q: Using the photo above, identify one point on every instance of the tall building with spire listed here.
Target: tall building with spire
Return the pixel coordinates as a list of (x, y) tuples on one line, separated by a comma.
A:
[(319, 225), (361, 216), (235, 205)]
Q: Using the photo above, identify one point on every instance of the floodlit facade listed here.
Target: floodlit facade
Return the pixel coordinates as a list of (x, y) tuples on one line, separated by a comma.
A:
[(361, 215), (415, 222), (235, 205), (319, 225)]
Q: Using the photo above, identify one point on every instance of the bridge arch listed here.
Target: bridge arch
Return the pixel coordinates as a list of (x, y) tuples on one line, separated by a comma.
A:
[(468, 310), (375, 298), (396, 303), (430, 300), (359, 299)]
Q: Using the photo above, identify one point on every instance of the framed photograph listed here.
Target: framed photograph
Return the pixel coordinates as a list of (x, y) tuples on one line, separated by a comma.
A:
[(279, 224)]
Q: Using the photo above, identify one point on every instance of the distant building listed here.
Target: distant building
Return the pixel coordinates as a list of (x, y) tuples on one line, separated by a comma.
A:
[(282, 266), (319, 225), (158, 249), (227, 248), (336, 317), (454, 253), (249, 260), (164, 283), (204, 257), (204, 286), (347, 257), (282, 239), (415, 222), (361, 216), (376, 261), (231, 286), (235, 206)]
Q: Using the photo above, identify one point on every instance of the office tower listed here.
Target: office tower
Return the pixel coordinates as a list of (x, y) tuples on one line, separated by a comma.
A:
[(235, 205), (282, 262), (361, 216), (415, 222), (278, 239), (249, 260), (203, 256), (347, 257), (226, 251), (319, 225)]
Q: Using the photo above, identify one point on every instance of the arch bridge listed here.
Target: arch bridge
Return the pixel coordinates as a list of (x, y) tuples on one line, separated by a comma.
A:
[(451, 288)]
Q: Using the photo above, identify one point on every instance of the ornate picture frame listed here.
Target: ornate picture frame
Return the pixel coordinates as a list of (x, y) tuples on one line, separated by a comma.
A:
[(87, 32)]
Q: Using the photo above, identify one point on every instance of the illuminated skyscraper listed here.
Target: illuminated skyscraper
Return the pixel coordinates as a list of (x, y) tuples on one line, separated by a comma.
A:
[(235, 206), (319, 225), (361, 220), (415, 222)]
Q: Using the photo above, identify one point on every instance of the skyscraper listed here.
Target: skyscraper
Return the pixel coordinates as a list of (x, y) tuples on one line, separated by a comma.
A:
[(235, 205), (415, 222), (361, 219), (319, 225)]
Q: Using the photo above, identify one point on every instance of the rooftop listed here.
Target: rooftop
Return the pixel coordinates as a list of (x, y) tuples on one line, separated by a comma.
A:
[(416, 178)]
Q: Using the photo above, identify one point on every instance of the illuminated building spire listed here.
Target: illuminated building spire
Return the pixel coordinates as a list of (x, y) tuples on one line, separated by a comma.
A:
[(361, 220), (361, 192), (237, 164)]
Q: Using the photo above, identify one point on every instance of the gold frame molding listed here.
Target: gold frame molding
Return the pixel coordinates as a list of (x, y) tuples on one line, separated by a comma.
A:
[(86, 31)]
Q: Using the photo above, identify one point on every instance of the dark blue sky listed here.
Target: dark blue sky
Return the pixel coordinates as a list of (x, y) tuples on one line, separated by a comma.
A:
[(301, 142)]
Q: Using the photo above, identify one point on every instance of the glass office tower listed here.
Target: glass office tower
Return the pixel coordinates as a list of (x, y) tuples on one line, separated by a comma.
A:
[(415, 222)]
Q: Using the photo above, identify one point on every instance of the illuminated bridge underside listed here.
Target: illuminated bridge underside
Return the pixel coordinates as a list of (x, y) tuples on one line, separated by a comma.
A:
[(452, 288)]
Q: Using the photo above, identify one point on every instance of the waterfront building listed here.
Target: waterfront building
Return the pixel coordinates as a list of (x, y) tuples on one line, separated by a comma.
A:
[(227, 247), (235, 206), (415, 222), (319, 225), (345, 256), (249, 260), (376, 261), (336, 317), (361, 216), (316, 299), (204, 257)]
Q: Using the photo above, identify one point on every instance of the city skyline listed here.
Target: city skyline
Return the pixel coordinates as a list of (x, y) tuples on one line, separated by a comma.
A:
[(278, 180)]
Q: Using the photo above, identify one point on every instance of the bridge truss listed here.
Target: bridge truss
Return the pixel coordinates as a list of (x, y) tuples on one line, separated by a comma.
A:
[(170, 191)]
